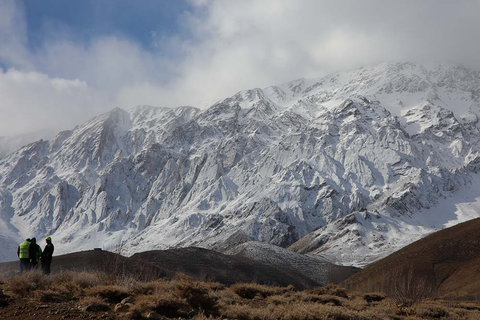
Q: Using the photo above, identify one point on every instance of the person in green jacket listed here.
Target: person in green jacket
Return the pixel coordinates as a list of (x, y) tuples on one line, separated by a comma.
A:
[(23, 253)]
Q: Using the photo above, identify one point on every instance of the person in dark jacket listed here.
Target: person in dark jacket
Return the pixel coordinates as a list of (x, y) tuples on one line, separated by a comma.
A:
[(47, 256), (23, 252), (35, 253)]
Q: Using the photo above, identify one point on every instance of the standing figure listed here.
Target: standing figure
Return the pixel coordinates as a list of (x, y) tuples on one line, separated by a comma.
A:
[(35, 253), (47, 256), (23, 252)]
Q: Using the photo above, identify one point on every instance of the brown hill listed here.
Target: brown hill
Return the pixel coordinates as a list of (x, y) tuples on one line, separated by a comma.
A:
[(92, 261), (446, 263), (208, 265), (198, 263)]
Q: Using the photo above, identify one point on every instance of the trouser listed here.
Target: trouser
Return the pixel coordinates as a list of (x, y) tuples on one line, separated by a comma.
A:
[(46, 266), (33, 264), (24, 265)]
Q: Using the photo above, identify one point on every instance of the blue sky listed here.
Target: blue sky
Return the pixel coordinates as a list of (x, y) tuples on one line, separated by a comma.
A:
[(65, 61), (140, 21)]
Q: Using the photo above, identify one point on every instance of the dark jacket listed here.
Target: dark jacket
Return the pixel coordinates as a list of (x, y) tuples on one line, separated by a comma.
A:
[(48, 252), (35, 252)]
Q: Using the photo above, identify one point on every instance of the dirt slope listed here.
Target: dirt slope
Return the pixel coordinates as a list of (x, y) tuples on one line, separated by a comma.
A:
[(448, 261)]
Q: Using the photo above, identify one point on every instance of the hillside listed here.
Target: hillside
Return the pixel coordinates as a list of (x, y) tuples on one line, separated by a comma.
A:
[(318, 269), (200, 264), (446, 261)]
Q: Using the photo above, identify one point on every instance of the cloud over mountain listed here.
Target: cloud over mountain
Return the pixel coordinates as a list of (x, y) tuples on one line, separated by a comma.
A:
[(222, 47)]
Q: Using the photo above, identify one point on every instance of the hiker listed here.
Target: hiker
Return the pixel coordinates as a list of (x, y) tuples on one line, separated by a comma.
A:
[(47, 256), (23, 252), (35, 253)]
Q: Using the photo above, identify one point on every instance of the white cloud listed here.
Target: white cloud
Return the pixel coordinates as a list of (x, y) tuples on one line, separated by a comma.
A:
[(108, 63), (236, 45), (252, 43), (32, 101)]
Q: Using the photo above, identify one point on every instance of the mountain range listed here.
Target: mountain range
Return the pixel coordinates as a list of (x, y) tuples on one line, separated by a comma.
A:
[(348, 167)]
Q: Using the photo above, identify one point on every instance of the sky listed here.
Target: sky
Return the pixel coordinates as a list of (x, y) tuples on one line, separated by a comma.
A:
[(63, 62)]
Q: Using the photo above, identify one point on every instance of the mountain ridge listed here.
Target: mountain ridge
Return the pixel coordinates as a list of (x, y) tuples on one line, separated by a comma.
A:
[(276, 164)]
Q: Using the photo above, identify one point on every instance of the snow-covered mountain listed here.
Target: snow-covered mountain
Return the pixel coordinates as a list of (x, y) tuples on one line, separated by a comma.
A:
[(351, 167)]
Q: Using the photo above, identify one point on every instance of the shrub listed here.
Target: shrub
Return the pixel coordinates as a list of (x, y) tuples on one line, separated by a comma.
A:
[(318, 298), (332, 290), (19, 287), (198, 296), (328, 299), (81, 280), (165, 304), (245, 312), (87, 279), (24, 284), (373, 297), (434, 312), (144, 288), (252, 290)]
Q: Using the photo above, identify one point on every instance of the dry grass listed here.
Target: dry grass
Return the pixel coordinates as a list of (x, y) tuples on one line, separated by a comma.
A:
[(109, 293), (254, 290), (199, 295), (332, 290), (373, 297), (166, 304), (186, 298), (94, 304), (52, 296), (23, 285)]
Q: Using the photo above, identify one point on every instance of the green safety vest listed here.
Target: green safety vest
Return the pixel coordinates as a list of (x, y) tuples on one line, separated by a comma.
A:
[(24, 250)]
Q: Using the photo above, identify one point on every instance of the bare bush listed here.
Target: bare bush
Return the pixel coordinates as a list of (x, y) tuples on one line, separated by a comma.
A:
[(408, 288)]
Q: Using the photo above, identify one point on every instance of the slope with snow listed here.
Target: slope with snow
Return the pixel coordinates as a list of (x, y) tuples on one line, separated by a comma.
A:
[(372, 148), (317, 269)]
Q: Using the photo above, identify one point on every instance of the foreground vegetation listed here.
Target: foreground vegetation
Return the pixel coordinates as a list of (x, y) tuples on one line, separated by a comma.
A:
[(102, 296)]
